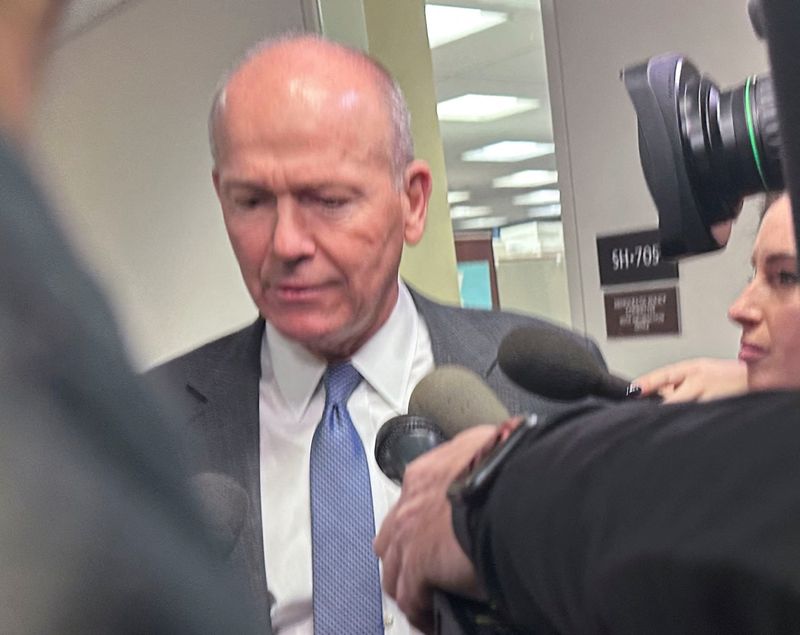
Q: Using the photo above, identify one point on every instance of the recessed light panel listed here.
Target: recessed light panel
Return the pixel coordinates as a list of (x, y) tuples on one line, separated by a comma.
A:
[(538, 197), (457, 196), (545, 211), (447, 23), (509, 151), (477, 108), (469, 211), (482, 223), (527, 178)]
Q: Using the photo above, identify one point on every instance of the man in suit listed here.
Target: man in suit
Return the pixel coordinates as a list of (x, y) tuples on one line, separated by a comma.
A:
[(98, 533), (319, 188)]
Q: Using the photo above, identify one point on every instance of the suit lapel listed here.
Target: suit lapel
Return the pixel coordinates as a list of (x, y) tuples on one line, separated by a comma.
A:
[(227, 419)]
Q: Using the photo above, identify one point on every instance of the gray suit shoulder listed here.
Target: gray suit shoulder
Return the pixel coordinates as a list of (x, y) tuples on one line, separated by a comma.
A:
[(233, 353), (492, 325)]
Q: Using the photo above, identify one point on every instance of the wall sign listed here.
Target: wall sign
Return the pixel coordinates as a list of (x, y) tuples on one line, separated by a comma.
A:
[(632, 257), (646, 312)]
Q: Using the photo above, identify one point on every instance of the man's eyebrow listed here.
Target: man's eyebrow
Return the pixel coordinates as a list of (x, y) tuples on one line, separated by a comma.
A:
[(243, 184), (782, 255), (324, 185)]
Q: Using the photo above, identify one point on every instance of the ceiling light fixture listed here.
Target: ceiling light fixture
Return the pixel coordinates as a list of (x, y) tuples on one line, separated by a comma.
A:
[(482, 223), (478, 108), (469, 211), (527, 178), (545, 211), (509, 151), (457, 196), (447, 23), (538, 197)]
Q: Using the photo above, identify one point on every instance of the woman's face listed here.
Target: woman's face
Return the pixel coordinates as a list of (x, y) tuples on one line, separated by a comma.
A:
[(768, 310)]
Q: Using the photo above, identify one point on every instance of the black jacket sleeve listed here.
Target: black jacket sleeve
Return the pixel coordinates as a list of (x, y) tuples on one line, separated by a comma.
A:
[(643, 518)]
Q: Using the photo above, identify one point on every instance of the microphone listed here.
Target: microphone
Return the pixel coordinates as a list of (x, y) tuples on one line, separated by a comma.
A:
[(223, 503), (552, 363), (445, 402), (401, 440), (456, 398)]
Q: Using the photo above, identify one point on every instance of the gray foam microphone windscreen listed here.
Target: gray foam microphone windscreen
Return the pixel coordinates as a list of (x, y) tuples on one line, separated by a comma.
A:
[(456, 398)]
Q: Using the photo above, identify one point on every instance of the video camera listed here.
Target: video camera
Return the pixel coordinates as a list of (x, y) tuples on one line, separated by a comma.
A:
[(704, 150)]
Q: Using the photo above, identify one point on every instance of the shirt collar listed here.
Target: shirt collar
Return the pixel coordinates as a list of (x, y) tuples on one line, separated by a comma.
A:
[(384, 361)]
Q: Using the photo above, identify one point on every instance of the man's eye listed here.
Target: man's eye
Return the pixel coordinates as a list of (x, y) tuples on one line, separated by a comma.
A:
[(324, 202), (248, 202), (332, 203), (788, 278)]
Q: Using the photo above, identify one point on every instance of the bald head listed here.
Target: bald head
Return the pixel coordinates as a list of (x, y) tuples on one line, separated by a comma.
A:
[(307, 71)]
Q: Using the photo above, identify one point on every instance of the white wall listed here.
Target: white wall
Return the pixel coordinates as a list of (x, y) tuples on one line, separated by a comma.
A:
[(603, 190), (123, 132)]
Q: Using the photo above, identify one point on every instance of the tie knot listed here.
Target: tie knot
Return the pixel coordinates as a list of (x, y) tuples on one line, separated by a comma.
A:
[(340, 381)]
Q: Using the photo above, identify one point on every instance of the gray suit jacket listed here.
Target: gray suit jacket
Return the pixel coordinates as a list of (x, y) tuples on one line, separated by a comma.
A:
[(218, 383)]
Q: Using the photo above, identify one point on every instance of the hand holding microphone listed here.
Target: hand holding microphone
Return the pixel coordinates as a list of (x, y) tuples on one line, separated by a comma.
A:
[(416, 542)]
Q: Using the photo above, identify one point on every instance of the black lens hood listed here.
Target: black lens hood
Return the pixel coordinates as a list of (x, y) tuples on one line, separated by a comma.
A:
[(656, 87)]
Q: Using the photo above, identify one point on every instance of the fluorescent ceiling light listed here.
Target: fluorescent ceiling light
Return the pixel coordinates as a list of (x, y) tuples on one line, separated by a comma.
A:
[(478, 108), (517, 4), (482, 223), (509, 151), (545, 211), (538, 197), (446, 23), (469, 211), (527, 178), (457, 196)]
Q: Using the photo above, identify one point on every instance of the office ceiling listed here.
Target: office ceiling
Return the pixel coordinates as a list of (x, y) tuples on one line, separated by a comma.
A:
[(506, 59)]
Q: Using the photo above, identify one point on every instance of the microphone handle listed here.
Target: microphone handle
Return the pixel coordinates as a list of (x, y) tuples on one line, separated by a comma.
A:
[(613, 387), (456, 615)]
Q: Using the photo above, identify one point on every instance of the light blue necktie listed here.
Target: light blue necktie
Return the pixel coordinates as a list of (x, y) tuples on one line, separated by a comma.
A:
[(347, 588)]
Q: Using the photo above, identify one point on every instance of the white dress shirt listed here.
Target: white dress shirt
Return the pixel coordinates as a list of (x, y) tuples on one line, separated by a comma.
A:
[(291, 400)]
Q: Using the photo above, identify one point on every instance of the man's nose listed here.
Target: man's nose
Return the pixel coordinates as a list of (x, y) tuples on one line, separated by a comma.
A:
[(292, 238)]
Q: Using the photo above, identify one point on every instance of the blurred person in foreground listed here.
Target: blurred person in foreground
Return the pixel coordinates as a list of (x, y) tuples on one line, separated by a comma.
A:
[(631, 518), (768, 311), (98, 533)]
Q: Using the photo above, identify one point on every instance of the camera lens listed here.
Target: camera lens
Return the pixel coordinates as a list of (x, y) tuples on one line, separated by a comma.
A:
[(702, 150), (731, 143)]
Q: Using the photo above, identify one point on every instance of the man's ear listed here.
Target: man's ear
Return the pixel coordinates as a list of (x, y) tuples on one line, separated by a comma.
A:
[(417, 183)]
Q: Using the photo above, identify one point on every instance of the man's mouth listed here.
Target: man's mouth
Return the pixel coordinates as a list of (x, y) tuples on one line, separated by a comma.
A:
[(294, 292)]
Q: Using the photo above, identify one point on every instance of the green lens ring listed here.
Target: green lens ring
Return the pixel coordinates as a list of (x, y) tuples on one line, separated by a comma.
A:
[(751, 129)]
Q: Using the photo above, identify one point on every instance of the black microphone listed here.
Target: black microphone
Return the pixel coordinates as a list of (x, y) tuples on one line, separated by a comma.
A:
[(445, 402), (552, 363), (223, 503), (401, 440)]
